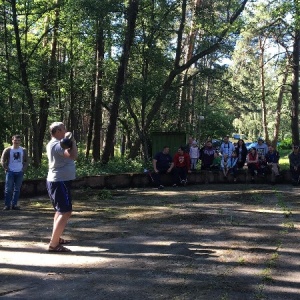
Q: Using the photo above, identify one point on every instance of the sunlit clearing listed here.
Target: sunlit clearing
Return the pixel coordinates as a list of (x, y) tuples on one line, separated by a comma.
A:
[(40, 257)]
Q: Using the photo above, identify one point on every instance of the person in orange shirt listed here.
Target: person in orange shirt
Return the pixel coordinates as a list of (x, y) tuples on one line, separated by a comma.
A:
[(182, 166)]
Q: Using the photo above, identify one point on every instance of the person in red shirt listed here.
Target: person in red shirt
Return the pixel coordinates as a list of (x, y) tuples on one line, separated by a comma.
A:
[(182, 166), (252, 162)]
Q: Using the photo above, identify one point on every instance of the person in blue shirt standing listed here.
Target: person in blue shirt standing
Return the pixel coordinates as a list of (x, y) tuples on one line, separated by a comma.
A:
[(162, 164)]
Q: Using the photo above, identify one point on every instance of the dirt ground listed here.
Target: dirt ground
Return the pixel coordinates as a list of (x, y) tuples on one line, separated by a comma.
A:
[(221, 242)]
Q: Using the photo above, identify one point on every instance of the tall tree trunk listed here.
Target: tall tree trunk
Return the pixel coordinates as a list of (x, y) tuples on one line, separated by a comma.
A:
[(38, 120), (187, 102), (72, 120), (98, 91), (182, 95), (262, 41), (121, 78), (181, 68), (295, 83), (48, 84), (295, 90), (279, 106), (25, 82), (10, 120), (178, 69), (91, 125)]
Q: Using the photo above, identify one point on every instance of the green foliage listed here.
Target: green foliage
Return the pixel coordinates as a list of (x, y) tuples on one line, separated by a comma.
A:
[(217, 123), (104, 195), (37, 173), (205, 88), (85, 167), (285, 144)]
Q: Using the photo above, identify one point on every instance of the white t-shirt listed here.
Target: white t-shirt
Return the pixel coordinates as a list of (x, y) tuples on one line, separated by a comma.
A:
[(261, 149), (16, 159), (194, 152)]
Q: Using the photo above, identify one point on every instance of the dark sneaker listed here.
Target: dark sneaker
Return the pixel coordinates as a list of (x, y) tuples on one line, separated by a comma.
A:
[(6, 208), (14, 207), (174, 185), (161, 187)]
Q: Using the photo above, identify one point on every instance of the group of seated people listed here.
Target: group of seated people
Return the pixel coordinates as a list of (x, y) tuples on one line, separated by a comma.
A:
[(259, 160)]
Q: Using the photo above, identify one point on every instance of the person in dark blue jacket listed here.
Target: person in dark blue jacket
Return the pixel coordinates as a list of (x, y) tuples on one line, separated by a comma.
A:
[(294, 159), (272, 159), (162, 164)]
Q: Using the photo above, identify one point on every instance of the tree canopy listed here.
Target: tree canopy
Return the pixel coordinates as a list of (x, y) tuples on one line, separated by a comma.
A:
[(115, 71)]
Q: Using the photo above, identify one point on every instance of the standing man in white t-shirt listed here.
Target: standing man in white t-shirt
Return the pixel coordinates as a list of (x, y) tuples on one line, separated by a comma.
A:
[(14, 160), (60, 175)]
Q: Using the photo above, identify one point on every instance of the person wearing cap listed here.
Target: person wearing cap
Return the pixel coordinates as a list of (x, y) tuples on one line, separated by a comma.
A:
[(294, 159), (61, 173), (261, 148), (194, 155)]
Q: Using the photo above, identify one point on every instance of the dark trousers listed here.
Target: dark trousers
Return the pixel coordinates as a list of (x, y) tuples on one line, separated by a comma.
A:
[(240, 164), (179, 174), (156, 177), (252, 168), (233, 171), (295, 174)]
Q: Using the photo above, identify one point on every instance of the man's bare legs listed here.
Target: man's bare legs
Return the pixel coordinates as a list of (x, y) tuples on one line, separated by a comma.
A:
[(59, 223)]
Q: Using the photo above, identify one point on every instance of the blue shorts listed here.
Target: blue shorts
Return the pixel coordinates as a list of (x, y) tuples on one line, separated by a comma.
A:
[(60, 195)]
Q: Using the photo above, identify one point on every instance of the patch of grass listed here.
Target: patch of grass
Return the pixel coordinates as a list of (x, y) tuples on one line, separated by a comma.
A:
[(195, 198), (170, 206), (267, 275), (257, 198), (241, 261), (110, 211), (289, 225), (271, 263), (284, 160), (104, 195), (225, 296), (282, 204), (233, 221), (259, 295)]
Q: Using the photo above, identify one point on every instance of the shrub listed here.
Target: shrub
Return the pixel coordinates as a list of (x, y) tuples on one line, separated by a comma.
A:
[(285, 144)]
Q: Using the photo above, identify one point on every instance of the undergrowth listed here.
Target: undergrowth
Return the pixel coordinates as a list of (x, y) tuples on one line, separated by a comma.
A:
[(85, 167)]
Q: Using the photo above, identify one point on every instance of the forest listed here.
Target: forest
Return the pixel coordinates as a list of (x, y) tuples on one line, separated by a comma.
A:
[(115, 71)]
